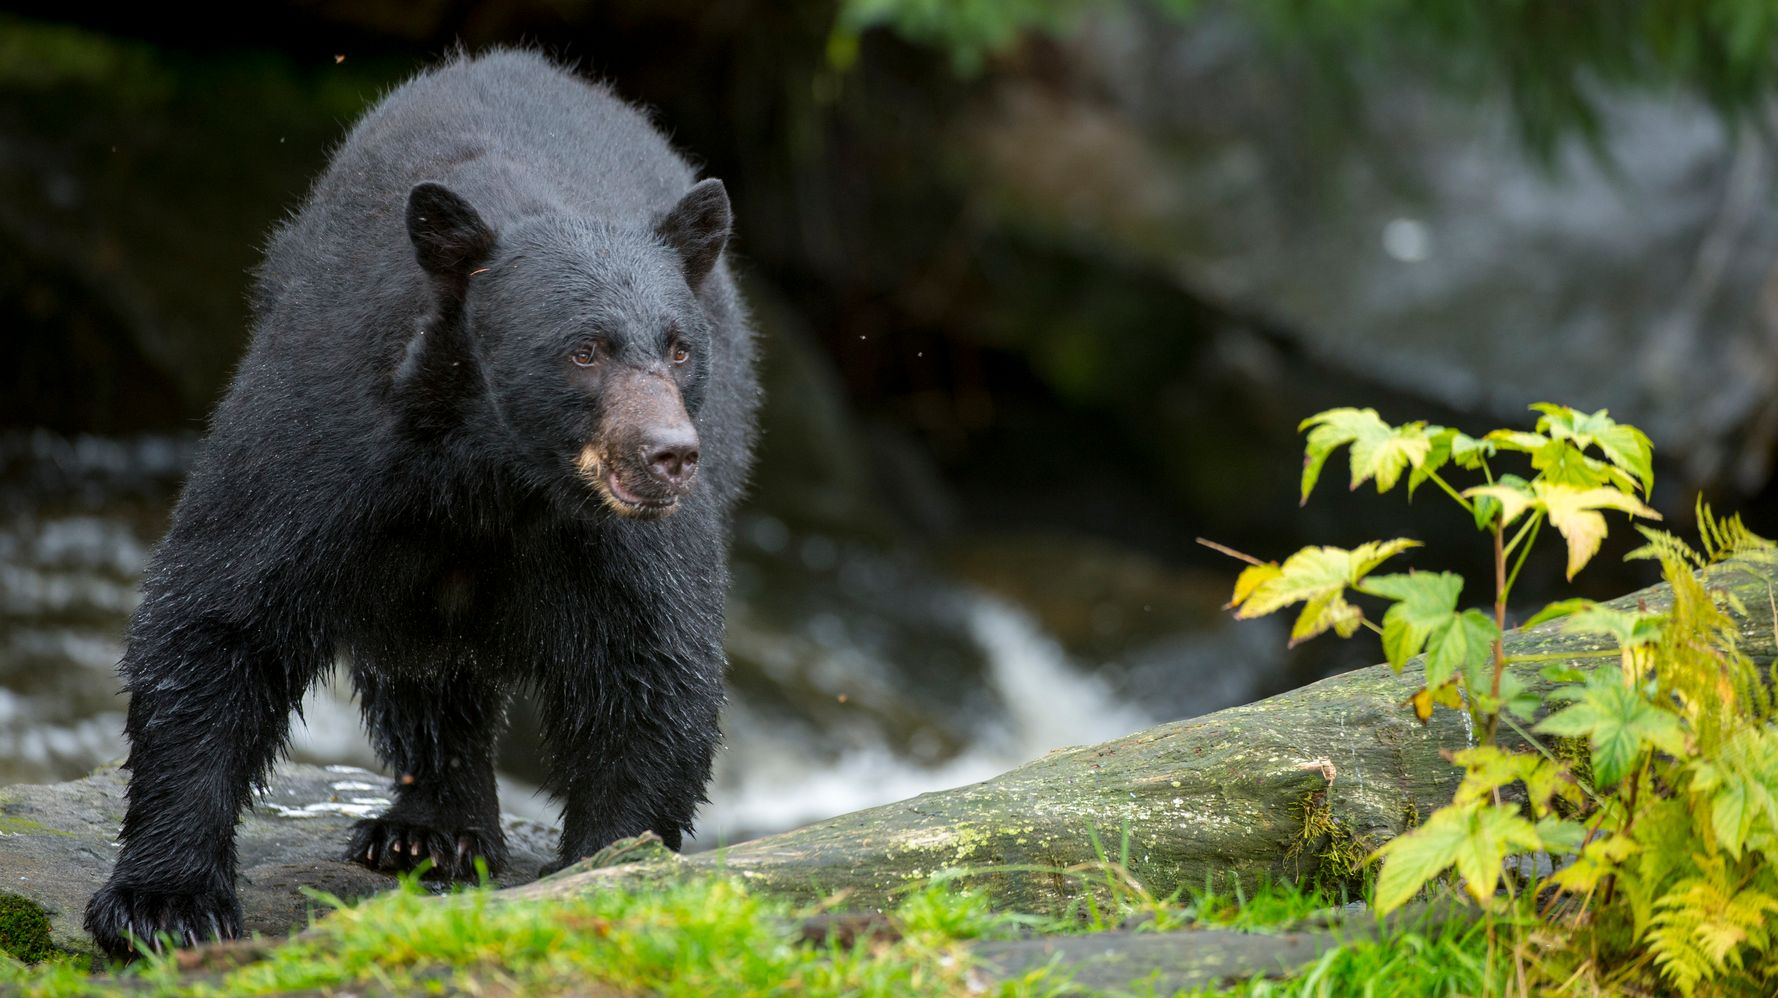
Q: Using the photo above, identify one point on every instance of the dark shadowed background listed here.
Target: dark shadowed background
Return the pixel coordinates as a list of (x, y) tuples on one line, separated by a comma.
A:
[(1043, 288)]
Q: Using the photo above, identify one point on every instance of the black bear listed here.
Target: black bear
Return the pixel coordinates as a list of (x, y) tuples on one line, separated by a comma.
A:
[(498, 405)]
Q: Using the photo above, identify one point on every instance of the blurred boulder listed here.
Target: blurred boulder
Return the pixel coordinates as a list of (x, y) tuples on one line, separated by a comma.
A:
[(1416, 243)]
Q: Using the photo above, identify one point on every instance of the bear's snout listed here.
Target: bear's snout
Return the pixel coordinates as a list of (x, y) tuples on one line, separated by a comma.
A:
[(672, 457), (646, 459)]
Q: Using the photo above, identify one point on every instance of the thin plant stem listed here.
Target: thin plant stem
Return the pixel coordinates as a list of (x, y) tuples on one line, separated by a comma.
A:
[(1536, 522), (1453, 493), (1544, 751), (1500, 625), (1563, 656), (1531, 520)]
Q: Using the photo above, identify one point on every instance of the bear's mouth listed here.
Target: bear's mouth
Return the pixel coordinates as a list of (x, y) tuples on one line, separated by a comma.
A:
[(620, 495), (627, 502)]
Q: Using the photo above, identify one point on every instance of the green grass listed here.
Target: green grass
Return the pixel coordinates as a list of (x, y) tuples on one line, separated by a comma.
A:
[(699, 938), (1449, 961), (713, 936), (1271, 906)]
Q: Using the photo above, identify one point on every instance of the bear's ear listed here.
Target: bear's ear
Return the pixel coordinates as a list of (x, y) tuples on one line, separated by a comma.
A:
[(450, 238), (697, 228)]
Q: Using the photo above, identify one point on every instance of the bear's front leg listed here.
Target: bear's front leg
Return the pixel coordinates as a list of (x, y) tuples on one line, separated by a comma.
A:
[(207, 717), (632, 764), (440, 745)]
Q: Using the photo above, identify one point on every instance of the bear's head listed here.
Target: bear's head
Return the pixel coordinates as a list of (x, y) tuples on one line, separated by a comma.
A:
[(590, 338)]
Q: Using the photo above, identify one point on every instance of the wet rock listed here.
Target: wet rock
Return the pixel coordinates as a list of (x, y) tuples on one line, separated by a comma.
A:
[(57, 847), (1421, 245)]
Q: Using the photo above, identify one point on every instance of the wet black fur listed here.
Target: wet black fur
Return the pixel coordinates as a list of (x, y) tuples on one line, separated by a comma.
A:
[(390, 483)]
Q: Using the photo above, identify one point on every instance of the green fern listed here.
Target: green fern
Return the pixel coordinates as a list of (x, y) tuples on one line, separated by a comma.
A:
[(1704, 926), (1729, 537)]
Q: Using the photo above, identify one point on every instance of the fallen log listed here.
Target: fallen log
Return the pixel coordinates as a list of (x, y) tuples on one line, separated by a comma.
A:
[(1299, 786)]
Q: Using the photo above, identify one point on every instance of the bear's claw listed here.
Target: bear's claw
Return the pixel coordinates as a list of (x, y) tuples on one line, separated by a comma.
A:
[(392, 845), (124, 920)]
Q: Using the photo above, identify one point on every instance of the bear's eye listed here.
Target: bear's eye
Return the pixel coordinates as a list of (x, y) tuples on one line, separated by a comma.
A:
[(586, 354), (681, 353)]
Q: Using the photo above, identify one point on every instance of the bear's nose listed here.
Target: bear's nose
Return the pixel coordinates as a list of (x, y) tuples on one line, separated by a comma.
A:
[(672, 457)]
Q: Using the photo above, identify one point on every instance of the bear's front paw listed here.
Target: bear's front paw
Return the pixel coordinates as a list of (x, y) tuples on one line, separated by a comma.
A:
[(392, 845), (123, 920)]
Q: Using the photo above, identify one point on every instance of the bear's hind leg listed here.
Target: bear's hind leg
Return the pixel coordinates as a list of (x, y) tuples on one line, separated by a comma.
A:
[(441, 748)]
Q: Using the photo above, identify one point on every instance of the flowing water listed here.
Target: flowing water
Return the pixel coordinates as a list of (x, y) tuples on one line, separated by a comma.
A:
[(859, 674)]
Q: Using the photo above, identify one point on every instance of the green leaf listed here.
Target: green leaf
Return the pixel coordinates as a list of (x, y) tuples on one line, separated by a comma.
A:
[(1379, 451), (1738, 785), (1425, 601), (1560, 462), (1468, 452), (1317, 577), (1474, 837), (1619, 725), (1438, 454), (1622, 444), (1597, 860), (1559, 672), (1461, 645), (1517, 698), (1560, 835)]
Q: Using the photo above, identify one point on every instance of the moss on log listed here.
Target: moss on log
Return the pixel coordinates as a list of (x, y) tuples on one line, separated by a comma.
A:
[(1297, 786)]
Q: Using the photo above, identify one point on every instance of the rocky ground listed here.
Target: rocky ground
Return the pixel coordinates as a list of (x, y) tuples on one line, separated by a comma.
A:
[(57, 845)]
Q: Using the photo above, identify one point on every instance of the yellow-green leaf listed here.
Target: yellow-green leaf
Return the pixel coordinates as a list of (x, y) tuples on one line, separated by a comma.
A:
[(1250, 579), (1629, 628), (1474, 838), (1575, 513), (1573, 510), (1488, 768), (1598, 859), (1519, 440), (1329, 612), (1318, 578), (1513, 501), (1622, 444), (1379, 451), (1425, 697)]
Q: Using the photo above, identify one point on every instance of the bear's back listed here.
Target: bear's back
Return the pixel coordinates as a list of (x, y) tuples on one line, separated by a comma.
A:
[(510, 131)]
